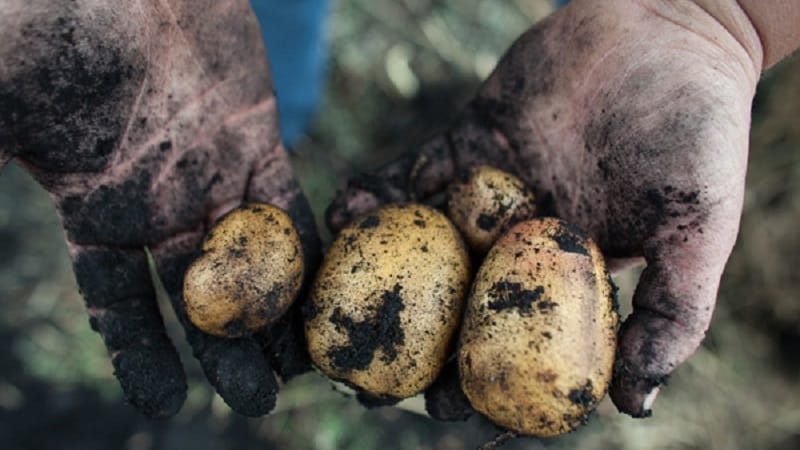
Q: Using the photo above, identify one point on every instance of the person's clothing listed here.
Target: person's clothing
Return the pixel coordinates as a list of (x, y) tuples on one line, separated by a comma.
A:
[(293, 32)]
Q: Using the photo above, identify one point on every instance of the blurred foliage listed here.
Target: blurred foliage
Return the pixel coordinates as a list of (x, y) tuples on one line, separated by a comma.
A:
[(400, 69)]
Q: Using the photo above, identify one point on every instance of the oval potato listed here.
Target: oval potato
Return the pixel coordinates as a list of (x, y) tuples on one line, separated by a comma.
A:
[(387, 302), (539, 336), (248, 274), (485, 203)]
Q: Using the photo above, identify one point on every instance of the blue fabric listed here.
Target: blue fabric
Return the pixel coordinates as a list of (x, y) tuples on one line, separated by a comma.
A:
[(293, 32)]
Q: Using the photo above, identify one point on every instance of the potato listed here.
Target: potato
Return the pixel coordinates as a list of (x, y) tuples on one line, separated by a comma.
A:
[(537, 345), (485, 203), (387, 301), (248, 274)]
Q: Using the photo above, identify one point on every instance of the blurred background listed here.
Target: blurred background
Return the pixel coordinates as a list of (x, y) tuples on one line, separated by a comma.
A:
[(398, 71)]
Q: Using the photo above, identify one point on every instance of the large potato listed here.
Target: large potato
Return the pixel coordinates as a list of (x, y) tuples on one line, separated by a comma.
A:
[(248, 274), (537, 345), (486, 202), (387, 302)]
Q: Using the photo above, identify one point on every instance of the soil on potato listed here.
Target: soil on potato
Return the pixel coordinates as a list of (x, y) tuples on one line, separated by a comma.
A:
[(56, 386)]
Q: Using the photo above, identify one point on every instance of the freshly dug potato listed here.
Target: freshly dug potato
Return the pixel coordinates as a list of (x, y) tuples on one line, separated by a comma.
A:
[(248, 274), (539, 335), (485, 203), (387, 302)]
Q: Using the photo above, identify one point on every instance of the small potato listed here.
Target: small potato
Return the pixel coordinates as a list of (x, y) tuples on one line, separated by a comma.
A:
[(386, 304), (485, 203), (537, 345), (248, 274)]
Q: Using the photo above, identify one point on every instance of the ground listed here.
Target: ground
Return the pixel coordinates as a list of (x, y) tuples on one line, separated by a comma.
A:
[(399, 70)]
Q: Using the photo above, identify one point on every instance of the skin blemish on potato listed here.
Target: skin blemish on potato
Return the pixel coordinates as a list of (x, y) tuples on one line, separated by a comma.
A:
[(382, 331)]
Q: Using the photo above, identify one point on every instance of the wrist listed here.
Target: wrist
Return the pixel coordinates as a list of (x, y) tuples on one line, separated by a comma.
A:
[(777, 25)]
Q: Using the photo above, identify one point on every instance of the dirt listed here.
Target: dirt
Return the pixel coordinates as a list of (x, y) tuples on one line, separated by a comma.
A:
[(381, 331), (571, 239), (444, 399), (526, 301)]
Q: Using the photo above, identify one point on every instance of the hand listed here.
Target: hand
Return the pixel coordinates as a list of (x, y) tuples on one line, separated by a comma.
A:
[(629, 119), (146, 121)]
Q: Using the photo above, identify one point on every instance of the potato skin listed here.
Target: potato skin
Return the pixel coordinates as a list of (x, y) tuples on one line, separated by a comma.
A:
[(248, 274), (537, 345), (485, 203), (386, 304)]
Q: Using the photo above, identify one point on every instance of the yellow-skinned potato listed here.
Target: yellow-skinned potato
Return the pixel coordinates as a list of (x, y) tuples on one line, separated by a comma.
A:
[(248, 274), (485, 203), (537, 345), (386, 304)]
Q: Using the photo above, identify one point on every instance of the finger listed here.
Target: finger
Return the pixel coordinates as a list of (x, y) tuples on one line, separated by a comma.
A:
[(444, 399), (4, 158), (235, 367), (421, 173), (672, 309), (272, 182), (116, 286)]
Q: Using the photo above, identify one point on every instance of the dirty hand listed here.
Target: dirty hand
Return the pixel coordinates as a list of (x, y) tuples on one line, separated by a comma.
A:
[(146, 121), (629, 119)]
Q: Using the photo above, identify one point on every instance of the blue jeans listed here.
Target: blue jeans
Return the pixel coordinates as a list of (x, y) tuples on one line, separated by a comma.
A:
[(293, 34)]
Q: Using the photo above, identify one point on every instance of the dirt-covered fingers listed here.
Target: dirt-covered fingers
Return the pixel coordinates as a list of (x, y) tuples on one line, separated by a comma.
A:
[(417, 173), (236, 368), (672, 309), (425, 171), (116, 286)]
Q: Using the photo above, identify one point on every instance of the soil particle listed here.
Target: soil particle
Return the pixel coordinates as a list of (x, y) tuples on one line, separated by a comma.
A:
[(571, 239), (382, 331), (370, 222), (486, 222), (511, 295), (583, 396)]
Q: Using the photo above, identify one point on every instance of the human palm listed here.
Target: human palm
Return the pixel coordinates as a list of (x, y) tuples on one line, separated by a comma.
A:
[(630, 120), (146, 121)]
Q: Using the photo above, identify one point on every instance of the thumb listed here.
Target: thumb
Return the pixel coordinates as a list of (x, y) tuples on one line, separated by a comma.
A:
[(672, 309)]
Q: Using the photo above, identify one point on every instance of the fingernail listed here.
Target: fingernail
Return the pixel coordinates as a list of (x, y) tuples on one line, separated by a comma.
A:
[(649, 399)]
